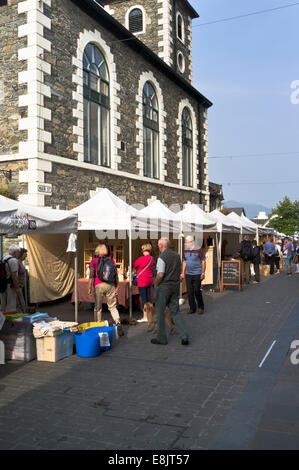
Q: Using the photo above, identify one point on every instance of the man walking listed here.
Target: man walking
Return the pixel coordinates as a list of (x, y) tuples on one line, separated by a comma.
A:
[(8, 299), (245, 252), (167, 290), (269, 251), (194, 265)]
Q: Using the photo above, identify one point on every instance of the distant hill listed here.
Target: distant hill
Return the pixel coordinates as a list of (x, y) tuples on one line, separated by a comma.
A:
[(251, 210)]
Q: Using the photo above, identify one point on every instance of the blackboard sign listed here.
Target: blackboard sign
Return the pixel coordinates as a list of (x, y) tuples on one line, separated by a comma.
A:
[(231, 274)]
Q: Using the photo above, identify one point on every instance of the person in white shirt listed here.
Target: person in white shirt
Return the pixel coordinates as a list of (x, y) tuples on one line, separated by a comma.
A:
[(277, 257), (8, 299)]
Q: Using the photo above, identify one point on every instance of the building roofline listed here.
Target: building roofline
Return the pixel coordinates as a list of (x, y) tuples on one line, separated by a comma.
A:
[(193, 12), (93, 9)]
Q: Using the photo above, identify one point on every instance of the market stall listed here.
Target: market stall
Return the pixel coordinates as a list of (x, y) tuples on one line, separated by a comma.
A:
[(17, 219)]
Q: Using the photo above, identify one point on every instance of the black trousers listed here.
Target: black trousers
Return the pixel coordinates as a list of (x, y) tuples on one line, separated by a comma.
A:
[(277, 262), (257, 271), (270, 260), (193, 283)]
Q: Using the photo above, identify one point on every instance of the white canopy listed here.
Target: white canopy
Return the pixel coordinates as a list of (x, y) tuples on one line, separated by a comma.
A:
[(192, 214), (228, 225), (246, 229), (104, 211), (252, 224), (156, 216), (17, 218)]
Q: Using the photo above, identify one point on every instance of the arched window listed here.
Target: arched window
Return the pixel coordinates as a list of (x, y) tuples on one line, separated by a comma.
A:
[(187, 136), (136, 20), (96, 107), (180, 27), (150, 132)]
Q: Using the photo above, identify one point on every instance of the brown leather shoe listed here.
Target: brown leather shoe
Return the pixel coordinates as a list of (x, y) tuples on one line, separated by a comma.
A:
[(200, 311), (191, 311)]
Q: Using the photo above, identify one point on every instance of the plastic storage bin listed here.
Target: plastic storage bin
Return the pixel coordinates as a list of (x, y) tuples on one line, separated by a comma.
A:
[(102, 329), (87, 345), (85, 326)]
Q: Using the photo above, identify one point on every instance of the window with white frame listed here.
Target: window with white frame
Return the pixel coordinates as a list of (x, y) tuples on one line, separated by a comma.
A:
[(180, 27), (187, 148), (96, 107), (150, 132), (181, 62), (136, 20)]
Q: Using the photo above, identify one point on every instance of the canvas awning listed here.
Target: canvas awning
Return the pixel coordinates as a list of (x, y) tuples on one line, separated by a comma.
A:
[(104, 211), (193, 218), (17, 218), (246, 229), (228, 226)]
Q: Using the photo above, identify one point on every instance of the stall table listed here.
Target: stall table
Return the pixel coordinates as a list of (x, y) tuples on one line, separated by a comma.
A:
[(122, 293)]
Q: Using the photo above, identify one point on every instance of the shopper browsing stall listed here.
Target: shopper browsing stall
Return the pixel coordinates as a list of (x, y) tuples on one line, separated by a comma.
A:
[(144, 265), (194, 265), (103, 278), (12, 292)]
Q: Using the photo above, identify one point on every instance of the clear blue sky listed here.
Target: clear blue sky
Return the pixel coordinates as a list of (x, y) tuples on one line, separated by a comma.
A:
[(246, 67)]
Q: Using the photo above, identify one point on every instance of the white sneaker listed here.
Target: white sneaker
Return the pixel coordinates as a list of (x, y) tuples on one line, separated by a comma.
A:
[(142, 320)]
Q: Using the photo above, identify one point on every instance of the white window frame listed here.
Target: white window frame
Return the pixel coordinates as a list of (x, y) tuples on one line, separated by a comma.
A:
[(140, 7), (182, 70), (182, 39)]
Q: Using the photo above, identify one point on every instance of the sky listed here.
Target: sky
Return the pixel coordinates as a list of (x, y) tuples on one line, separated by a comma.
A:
[(246, 67)]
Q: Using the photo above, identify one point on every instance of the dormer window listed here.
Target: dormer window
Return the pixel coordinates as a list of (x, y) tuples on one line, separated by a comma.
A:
[(180, 27), (136, 20)]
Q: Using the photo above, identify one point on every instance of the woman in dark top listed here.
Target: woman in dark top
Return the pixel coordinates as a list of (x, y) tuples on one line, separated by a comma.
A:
[(256, 260)]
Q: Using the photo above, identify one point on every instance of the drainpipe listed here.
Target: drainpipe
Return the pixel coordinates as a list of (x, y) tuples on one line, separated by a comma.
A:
[(200, 154)]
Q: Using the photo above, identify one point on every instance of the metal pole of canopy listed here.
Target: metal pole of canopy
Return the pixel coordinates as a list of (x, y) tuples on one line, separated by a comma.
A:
[(76, 285), (130, 267)]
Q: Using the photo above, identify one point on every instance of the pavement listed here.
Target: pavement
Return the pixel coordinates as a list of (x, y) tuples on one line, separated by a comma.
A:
[(234, 387)]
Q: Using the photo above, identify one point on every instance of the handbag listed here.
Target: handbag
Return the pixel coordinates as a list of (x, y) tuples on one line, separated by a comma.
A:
[(135, 276)]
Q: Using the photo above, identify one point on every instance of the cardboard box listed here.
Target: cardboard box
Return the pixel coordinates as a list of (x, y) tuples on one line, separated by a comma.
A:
[(55, 348), (265, 270)]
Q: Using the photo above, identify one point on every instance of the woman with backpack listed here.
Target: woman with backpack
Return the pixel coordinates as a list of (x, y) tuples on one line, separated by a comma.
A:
[(103, 278), (144, 265)]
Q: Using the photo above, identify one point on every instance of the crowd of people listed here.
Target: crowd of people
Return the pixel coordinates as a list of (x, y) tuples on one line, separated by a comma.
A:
[(169, 272), (251, 253)]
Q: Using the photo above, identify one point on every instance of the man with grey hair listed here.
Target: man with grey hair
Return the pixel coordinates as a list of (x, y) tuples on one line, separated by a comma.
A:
[(8, 299), (194, 266), (167, 290)]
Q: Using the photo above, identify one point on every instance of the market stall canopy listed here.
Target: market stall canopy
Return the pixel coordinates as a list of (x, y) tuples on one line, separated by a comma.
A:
[(194, 215), (246, 229), (156, 217), (17, 218), (104, 211), (261, 230), (228, 225)]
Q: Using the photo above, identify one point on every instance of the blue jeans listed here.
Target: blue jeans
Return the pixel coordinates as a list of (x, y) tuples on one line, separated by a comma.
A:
[(145, 294)]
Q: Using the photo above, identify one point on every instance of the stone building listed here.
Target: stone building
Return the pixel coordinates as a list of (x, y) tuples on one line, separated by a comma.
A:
[(99, 94), (216, 196)]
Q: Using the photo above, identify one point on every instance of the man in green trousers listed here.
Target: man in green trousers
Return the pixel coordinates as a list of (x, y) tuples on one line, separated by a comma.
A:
[(167, 290)]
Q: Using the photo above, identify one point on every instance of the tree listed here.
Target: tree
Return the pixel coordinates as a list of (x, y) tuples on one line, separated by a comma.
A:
[(288, 217)]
